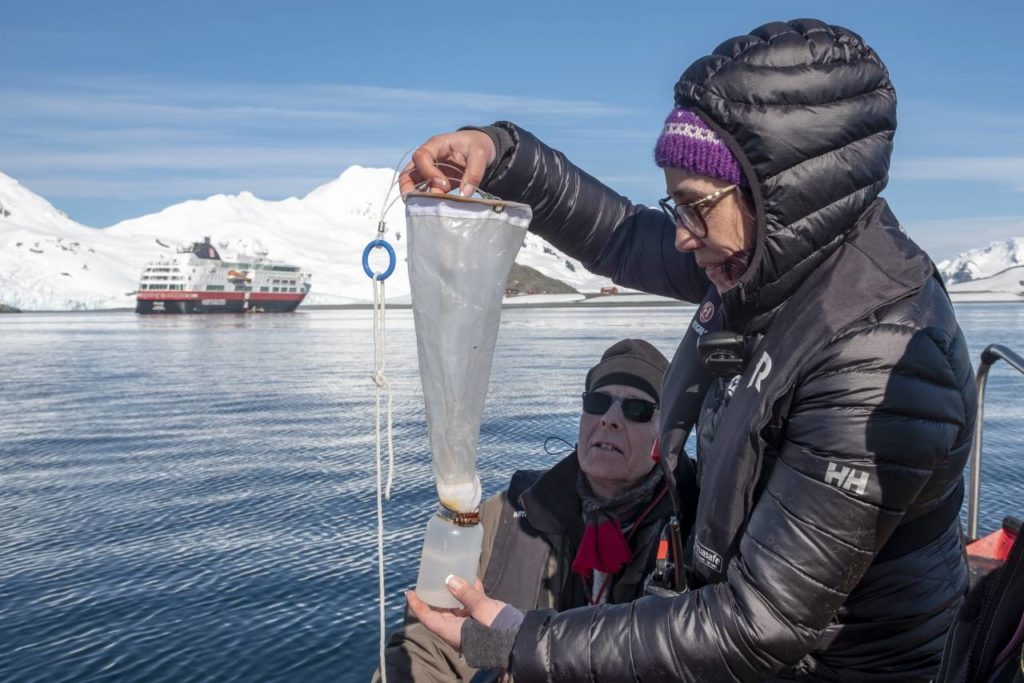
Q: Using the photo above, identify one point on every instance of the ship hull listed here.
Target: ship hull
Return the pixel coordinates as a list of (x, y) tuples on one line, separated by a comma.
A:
[(157, 303)]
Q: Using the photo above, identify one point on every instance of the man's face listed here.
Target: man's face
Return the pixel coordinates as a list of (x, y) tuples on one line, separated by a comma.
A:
[(615, 453)]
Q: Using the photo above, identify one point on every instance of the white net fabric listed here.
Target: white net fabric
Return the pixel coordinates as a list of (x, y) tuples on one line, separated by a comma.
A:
[(460, 254)]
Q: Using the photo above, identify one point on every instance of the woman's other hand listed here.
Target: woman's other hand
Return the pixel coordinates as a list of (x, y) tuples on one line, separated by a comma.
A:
[(447, 624)]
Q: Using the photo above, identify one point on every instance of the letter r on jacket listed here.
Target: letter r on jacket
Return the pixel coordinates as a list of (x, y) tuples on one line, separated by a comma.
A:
[(761, 371)]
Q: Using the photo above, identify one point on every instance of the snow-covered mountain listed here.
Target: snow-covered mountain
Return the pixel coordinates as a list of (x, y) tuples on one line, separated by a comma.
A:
[(984, 262), (992, 273), (49, 262)]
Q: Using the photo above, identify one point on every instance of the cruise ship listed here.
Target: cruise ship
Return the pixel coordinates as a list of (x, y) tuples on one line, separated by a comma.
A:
[(197, 280)]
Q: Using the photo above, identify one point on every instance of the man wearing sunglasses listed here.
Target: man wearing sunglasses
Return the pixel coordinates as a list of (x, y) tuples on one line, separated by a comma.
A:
[(584, 532)]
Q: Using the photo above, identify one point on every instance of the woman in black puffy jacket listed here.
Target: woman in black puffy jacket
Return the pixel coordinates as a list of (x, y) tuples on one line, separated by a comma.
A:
[(826, 543)]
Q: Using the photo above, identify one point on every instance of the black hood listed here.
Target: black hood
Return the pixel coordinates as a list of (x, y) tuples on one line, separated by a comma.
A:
[(809, 111)]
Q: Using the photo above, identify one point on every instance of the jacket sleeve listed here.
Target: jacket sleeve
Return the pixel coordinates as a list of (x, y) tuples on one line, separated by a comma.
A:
[(884, 404), (413, 653), (632, 244)]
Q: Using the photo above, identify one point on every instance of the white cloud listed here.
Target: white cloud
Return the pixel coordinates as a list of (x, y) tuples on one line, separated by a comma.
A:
[(123, 137), (178, 187), (947, 238), (111, 109), (1002, 171), (205, 158), (115, 98)]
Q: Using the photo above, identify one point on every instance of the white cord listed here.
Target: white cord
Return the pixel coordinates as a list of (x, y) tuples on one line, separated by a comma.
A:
[(378, 376), (383, 385), (393, 185)]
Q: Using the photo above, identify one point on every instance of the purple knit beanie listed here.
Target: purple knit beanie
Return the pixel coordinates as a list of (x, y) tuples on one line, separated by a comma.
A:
[(688, 143)]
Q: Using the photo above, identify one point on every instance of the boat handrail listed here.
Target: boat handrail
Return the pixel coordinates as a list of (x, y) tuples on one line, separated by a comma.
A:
[(991, 354)]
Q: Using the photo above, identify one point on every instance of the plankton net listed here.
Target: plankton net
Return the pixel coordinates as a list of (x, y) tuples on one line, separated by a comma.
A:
[(460, 253)]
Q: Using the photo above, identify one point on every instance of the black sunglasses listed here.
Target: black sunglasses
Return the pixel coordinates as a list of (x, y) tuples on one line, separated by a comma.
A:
[(633, 409)]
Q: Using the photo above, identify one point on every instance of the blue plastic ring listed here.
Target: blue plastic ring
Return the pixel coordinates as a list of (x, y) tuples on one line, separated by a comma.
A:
[(366, 260)]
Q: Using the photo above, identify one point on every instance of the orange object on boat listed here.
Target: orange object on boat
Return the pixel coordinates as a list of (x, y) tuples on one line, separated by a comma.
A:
[(996, 545)]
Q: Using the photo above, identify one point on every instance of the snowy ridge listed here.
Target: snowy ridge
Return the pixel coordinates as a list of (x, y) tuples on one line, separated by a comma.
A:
[(1007, 285), (49, 262), (992, 273), (985, 262)]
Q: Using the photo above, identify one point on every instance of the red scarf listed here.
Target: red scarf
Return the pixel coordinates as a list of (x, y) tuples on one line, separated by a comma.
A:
[(603, 548)]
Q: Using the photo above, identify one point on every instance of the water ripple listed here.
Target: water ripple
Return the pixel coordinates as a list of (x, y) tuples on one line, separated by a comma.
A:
[(191, 498)]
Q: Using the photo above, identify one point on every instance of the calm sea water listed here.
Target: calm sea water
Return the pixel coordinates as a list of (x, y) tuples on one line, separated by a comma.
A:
[(192, 498)]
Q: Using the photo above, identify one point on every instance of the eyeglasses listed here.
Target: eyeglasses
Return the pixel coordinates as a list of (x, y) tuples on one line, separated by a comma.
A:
[(687, 214), (633, 409)]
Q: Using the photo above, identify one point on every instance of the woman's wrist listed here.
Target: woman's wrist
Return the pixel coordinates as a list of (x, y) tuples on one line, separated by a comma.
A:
[(504, 146), (490, 647)]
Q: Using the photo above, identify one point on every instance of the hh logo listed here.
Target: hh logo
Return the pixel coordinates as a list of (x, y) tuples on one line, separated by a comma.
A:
[(847, 478), (761, 371)]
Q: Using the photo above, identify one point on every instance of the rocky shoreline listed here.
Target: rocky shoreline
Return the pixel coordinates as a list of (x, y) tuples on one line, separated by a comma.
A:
[(4, 308)]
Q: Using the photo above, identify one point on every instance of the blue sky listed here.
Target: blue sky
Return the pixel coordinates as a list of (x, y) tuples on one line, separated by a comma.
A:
[(112, 109)]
